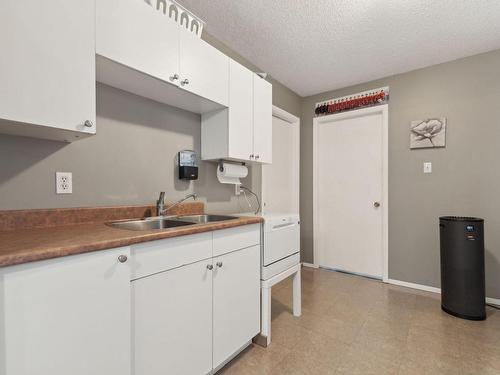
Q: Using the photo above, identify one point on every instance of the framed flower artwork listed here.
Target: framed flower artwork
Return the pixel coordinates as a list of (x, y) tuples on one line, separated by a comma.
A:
[(430, 133)]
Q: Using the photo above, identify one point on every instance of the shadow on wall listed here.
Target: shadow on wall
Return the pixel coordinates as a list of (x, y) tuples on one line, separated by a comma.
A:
[(122, 106), (492, 265), (27, 151)]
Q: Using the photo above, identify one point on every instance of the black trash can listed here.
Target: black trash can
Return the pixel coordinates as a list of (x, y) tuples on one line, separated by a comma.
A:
[(462, 267)]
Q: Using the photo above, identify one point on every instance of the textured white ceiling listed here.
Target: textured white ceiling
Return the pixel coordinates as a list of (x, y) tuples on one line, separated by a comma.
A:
[(319, 45)]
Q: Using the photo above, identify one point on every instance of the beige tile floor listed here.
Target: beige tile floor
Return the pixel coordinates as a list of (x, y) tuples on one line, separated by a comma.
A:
[(353, 325)]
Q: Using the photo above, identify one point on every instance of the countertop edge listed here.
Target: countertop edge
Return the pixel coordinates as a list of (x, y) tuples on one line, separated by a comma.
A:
[(128, 239)]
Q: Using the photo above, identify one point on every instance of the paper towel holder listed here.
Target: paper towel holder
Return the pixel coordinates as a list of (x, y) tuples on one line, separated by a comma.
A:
[(221, 162), (232, 179)]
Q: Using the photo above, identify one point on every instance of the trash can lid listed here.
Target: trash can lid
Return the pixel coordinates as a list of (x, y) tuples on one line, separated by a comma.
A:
[(460, 218)]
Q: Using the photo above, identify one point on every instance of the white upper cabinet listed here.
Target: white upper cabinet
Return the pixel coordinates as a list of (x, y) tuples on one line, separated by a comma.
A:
[(204, 70), (66, 316), (240, 111), (242, 132), (47, 69), (137, 35), (262, 120), (142, 51)]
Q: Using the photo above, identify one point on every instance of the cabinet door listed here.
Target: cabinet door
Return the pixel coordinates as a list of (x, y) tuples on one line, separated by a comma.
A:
[(172, 321), (240, 111), (139, 36), (262, 120), (204, 69), (66, 316), (47, 68), (236, 301)]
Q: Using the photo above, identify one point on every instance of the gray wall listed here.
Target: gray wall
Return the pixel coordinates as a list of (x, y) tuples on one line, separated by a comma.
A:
[(465, 178), (129, 161)]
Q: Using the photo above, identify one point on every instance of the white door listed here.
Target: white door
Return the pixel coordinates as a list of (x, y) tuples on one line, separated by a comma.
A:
[(172, 321), (236, 299), (262, 120), (240, 111), (47, 66), (204, 69), (281, 179), (135, 34), (349, 159), (64, 316)]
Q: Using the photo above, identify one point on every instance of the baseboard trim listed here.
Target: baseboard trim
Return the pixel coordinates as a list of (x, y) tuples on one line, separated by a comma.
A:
[(310, 265), (493, 301), (406, 284), (432, 289)]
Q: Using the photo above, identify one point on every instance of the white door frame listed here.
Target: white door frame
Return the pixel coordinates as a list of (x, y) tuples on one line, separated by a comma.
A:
[(384, 110), (294, 120)]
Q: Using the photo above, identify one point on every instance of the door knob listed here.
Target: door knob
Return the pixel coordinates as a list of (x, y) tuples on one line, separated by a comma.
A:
[(122, 258), (251, 156), (376, 204), (174, 77), (257, 157), (210, 267), (185, 82), (219, 264), (88, 124)]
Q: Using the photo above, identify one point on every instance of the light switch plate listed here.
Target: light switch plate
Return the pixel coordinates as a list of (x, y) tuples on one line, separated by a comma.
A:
[(64, 183), (427, 167)]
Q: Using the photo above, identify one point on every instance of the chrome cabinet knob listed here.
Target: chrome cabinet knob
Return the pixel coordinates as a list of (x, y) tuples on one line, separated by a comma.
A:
[(122, 258), (210, 267), (376, 204), (219, 264), (185, 82), (88, 124), (173, 78)]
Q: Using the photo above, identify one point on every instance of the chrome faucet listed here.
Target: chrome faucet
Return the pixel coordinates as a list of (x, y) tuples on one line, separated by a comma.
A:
[(160, 203)]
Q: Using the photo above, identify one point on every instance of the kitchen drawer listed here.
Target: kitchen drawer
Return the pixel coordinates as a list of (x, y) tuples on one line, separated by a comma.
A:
[(157, 256), (228, 240)]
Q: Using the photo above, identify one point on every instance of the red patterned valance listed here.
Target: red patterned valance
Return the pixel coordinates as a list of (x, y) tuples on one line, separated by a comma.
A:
[(350, 102)]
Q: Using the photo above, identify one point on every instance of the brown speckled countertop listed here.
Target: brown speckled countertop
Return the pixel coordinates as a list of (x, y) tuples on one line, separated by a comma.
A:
[(19, 245)]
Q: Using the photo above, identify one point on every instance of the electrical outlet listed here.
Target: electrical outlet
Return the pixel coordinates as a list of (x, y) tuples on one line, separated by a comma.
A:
[(64, 183), (427, 167)]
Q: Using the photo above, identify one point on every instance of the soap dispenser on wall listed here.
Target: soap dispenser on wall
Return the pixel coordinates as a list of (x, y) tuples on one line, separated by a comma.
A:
[(188, 165)]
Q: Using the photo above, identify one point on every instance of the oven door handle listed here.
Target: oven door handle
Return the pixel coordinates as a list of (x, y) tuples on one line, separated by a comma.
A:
[(282, 226)]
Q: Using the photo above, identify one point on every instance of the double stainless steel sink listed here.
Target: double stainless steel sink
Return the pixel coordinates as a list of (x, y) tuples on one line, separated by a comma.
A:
[(168, 222)]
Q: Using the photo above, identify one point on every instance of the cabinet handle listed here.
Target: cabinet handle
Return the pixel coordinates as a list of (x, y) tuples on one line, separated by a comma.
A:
[(122, 258), (219, 264), (185, 82), (210, 267), (173, 78), (88, 124)]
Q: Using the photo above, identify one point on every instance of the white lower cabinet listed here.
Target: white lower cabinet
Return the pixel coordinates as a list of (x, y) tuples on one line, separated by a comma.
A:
[(69, 315), (172, 321), (236, 301), (180, 306), (192, 318)]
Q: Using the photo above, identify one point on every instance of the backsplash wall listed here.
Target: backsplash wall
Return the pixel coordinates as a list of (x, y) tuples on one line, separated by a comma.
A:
[(130, 160)]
